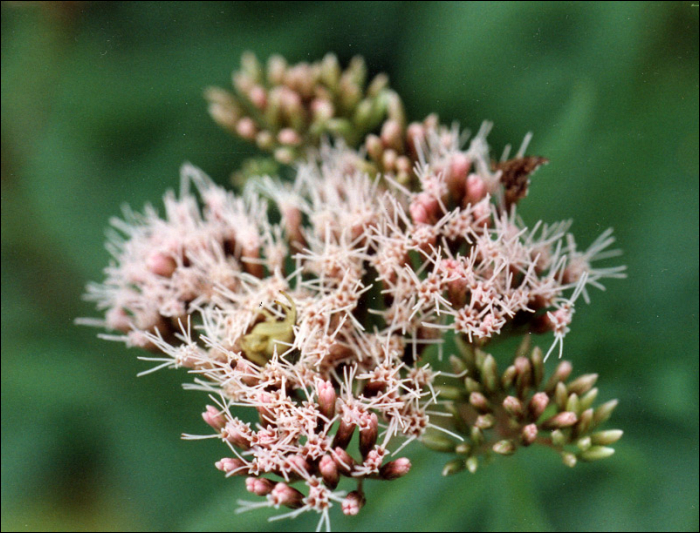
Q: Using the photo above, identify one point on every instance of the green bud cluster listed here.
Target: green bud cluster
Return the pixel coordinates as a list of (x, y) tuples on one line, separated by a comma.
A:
[(499, 412), (287, 109)]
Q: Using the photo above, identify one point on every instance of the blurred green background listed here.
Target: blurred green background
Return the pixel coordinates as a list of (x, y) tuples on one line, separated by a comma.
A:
[(101, 103)]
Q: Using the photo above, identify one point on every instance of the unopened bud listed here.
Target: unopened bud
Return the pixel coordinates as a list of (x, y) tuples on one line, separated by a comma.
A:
[(572, 404), (479, 402), (558, 438), (322, 110), (453, 467), (504, 447), (458, 365), (392, 135), (395, 469), (215, 418), (289, 137), (264, 140), (537, 359), (561, 395), (603, 412), (389, 158), (605, 438), (235, 436), (513, 406), (326, 398), (368, 434), (352, 503), (538, 403), (232, 466), (584, 443), (161, 264), (285, 155), (475, 190), (379, 82), (476, 435), (415, 136), (344, 461), (472, 464), (523, 378), (276, 68), (285, 495), (374, 147), (259, 485), (589, 398), (258, 97), (569, 459), (118, 319), (344, 434), (437, 442), (562, 373), (457, 176), (585, 421), (246, 128), (561, 420), (508, 377), (330, 71), (528, 435), (484, 421), (595, 453), (489, 374), (583, 384), (471, 385), (329, 471)]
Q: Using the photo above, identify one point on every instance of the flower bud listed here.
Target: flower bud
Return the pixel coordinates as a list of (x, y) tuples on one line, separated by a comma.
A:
[(603, 412), (352, 503), (523, 378), (395, 469), (504, 447), (232, 466), (560, 420), (479, 402), (326, 398), (438, 442), (562, 373), (596, 453), (285, 495), (289, 137), (474, 190), (368, 434), (583, 384), (344, 434), (259, 486), (513, 406), (528, 435), (569, 459), (454, 467), (538, 403), (344, 461), (215, 418), (161, 264), (605, 438), (392, 136), (246, 128), (329, 471)]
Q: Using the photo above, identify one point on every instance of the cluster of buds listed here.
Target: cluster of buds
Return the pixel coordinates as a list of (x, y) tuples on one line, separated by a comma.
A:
[(287, 109), (326, 323), (500, 412)]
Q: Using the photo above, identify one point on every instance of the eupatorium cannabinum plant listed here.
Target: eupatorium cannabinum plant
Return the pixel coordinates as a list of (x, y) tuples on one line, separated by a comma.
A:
[(320, 315)]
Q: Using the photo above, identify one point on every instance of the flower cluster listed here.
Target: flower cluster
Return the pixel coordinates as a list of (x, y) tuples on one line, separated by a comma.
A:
[(308, 311), (285, 109)]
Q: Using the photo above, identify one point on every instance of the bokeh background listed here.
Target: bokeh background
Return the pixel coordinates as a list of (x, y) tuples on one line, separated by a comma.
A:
[(102, 102)]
